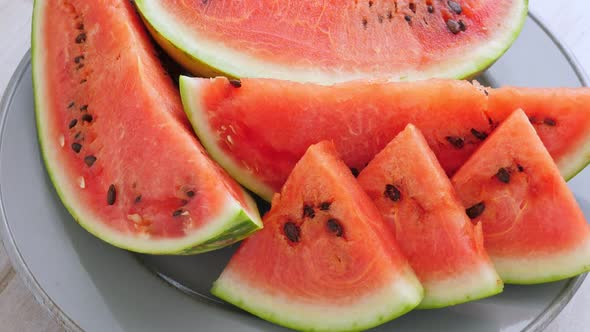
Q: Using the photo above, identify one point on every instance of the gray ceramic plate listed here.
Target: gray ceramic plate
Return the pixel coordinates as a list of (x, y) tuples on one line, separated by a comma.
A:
[(92, 286)]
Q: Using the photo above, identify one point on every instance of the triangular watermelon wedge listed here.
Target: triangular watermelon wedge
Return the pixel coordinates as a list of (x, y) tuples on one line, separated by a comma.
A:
[(533, 228), (325, 260), (413, 194)]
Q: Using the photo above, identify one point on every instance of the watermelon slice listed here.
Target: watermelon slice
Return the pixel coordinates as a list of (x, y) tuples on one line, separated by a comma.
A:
[(326, 260), (115, 141), (414, 195), (327, 42), (533, 228), (362, 117)]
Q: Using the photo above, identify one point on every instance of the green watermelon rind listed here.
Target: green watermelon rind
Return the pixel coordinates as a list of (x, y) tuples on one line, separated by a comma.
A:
[(537, 270), (260, 303), (235, 220), (471, 286), (196, 112), (210, 58)]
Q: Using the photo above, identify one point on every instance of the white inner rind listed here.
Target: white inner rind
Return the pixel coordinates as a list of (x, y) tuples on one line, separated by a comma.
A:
[(192, 97), (383, 304), (471, 285), (537, 269), (226, 59), (575, 161), (68, 187)]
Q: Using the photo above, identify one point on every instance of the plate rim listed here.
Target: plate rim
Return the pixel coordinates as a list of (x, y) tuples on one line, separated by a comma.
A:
[(24, 273)]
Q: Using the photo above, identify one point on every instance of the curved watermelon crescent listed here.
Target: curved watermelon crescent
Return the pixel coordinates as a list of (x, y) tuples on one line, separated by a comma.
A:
[(206, 57), (231, 225)]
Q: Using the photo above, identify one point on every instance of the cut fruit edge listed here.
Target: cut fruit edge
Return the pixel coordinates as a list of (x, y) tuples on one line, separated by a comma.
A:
[(233, 219), (551, 267), (387, 303), (469, 286), (191, 93), (211, 58)]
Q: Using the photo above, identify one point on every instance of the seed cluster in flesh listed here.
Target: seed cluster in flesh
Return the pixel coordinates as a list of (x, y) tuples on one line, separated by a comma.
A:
[(410, 12), (292, 228), (504, 175)]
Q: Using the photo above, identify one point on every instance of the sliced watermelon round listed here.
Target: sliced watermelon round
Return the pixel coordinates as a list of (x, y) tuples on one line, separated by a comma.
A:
[(327, 42), (326, 260), (259, 130), (115, 141), (415, 196), (533, 228)]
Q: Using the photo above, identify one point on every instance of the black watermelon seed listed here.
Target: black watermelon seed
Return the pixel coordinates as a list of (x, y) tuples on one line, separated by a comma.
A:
[(90, 160), (80, 26), (532, 119), (389, 15), (79, 58), (87, 117), (413, 7), (138, 199), (190, 193), (430, 9), (235, 83), (325, 206), (453, 26), (462, 25), (76, 147), (84, 108), (392, 193), (478, 134), (370, 4), (365, 22), (81, 38), (354, 171), (71, 105), (73, 123), (408, 18), (455, 141), (292, 231), (111, 195), (78, 135), (83, 81), (520, 168), (476, 210), (550, 122), (335, 227), (455, 7), (503, 175), (308, 211), (177, 213)]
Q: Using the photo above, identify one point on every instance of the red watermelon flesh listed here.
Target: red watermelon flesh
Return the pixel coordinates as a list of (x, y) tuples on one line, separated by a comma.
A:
[(332, 41), (258, 131), (115, 141), (415, 196), (534, 230), (325, 260)]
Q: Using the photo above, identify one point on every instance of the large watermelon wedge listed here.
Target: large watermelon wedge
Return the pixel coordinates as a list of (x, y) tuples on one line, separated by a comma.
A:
[(335, 41), (533, 228), (259, 130), (415, 196), (325, 260), (115, 140)]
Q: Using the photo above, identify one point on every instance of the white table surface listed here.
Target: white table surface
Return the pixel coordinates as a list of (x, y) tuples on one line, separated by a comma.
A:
[(567, 19)]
